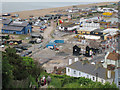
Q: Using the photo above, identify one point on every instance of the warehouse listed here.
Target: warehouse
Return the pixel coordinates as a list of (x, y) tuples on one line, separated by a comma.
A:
[(16, 27)]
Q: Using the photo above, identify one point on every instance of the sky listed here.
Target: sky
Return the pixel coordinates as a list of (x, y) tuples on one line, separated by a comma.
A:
[(59, 0)]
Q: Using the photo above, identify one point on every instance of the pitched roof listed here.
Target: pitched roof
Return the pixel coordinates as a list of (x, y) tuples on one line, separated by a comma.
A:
[(113, 56), (23, 24), (89, 68), (68, 24), (14, 28), (7, 21)]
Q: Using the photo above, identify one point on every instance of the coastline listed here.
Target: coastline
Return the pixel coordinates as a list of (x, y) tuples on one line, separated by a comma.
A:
[(42, 12)]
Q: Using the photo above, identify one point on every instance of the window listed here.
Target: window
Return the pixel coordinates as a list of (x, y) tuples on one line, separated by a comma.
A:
[(74, 72), (119, 83), (93, 78), (87, 76), (68, 70), (79, 73), (102, 80)]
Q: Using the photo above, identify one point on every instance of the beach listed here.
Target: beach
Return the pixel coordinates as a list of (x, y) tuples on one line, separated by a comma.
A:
[(42, 12)]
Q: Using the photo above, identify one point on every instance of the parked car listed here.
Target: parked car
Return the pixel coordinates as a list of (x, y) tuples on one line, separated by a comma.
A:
[(23, 55), (28, 52), (32, 41), (18, 50), (43, 27), (41, 31), (2, 46)]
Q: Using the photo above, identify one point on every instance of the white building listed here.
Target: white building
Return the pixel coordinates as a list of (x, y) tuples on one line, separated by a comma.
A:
[(68, 26), (112, 58), (93, 72)]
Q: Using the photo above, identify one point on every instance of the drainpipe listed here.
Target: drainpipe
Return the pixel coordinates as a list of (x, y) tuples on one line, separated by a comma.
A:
[(96, 77)]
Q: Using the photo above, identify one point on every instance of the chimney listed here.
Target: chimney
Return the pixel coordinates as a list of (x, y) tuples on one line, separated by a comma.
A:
[(70, 61), (76, 59)]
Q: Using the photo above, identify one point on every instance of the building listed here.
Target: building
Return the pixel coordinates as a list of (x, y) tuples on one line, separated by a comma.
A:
[(112, 58), (95, 72), (15, 27), (84, 69), (85, 30), (68, 26), (76, 50), (51, 45)]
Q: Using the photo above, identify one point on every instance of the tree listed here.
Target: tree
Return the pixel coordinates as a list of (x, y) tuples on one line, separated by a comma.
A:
[(7, 75)]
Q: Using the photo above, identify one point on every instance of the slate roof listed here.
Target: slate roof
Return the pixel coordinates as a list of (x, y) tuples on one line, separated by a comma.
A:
[(89, 68), (14, 28), (7, 21)]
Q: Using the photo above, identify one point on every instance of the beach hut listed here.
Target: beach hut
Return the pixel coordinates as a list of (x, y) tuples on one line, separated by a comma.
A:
[(76, 50)]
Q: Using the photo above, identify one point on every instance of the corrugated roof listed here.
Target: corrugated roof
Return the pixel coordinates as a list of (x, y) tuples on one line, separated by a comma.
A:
[(89, 68), (23, 24), (8, 27), (113, 56)]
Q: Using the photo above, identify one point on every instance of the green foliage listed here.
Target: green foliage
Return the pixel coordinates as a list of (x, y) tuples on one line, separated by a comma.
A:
[(72, 85), (18, 68), (6, 72)]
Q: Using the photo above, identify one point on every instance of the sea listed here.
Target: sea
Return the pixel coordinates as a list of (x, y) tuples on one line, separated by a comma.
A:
[(8, 7)]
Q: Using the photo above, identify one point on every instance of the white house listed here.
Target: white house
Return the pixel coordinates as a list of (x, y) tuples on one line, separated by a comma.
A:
[(112, 58), (68, 26), (93, 72), (107, 10)]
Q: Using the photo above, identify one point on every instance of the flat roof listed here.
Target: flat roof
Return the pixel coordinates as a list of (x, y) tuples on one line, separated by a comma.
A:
[(110, 30), (86, 29)]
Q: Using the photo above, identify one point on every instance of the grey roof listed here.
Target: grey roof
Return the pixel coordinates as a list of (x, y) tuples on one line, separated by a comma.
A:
[(14, 28), (98, 30), (7, 21), (89, 68), (23, 24)]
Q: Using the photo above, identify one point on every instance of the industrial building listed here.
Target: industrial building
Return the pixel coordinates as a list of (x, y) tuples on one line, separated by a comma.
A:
[(15, 27)]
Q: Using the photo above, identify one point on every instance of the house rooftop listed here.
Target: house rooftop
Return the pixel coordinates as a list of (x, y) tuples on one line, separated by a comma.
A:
[(69, 24), (14, 28), (113, 56), (89, 68)]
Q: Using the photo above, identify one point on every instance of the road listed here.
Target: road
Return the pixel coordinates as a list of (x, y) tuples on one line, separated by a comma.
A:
[(47, 37)]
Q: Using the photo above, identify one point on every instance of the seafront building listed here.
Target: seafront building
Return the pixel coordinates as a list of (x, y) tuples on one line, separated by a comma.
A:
[(16, 27)]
